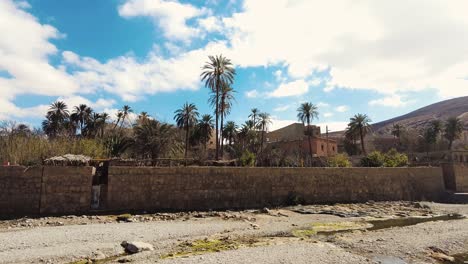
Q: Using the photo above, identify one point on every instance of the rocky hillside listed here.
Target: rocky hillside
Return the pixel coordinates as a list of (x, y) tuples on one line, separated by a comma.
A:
[(419, 118)]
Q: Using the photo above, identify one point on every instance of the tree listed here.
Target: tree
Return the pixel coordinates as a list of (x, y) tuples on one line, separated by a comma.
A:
[(153, 138), (306, 113), (185, 118), (360, 124), (82, 113), (55, 118), (264, 121), (254, 112), (143, 117), (397, 130), (126, 110), (216, 73), (453, 130), (119, 116), (230, 132), (224, 108), (205, 126)]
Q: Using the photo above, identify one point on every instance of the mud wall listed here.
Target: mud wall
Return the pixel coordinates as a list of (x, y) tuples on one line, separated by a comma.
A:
[(461, 177), (68, 190), (202, 188), (44, 190)]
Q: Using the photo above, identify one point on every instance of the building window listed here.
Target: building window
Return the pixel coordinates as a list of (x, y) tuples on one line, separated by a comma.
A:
[(333, 148), (323, 148)]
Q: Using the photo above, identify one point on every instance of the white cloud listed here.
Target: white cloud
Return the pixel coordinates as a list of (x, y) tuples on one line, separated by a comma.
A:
[(282, 108), (391, 101), (333, 126), (342, 108), (371, 45), (293, 88), (252, 94), (211, 24), (328, 114), (322, 104), (171, 16)]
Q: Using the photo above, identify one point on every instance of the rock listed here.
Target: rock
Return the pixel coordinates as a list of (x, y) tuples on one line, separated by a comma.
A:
[(98, 255), (136, 246), (265, 211), (442, 257)]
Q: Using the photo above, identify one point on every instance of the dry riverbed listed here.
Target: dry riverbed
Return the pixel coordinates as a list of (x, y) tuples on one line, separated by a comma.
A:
[(374, 232)]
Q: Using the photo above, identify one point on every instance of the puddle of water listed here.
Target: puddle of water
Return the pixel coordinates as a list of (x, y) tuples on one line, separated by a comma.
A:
[(408, 221), (328, 229)]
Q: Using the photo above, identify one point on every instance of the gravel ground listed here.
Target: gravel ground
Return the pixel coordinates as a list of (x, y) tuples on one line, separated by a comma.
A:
[(75, 239)]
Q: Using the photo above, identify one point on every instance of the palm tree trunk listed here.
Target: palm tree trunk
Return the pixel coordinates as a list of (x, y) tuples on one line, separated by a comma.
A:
[(217, 117), (221, 129), (362, 142), (450, 145), (310, 143), (186, 142)]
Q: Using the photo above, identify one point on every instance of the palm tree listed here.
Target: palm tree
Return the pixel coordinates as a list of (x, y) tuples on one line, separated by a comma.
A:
[(224, 108), (306, 113), (82, 115), (55, 118), (119, 116), (254, 114), (216, 73), (264, 121), (126, 110), (185, 118), (397, 130), (143, 117), (230, 131), (102, 122), (360, 124), (206, 127), (453, 130), (153, 139)]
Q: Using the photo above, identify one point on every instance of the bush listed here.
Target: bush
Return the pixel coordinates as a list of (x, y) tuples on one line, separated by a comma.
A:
[(247, 159), (339, 160), (395, 159), (390, 159), (374, 159)]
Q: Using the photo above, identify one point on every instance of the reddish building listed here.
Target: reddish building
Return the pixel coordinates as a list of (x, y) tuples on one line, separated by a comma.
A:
[(293, 138)]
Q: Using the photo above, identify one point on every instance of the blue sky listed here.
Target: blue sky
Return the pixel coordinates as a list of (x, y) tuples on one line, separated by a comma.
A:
[(346, 57)]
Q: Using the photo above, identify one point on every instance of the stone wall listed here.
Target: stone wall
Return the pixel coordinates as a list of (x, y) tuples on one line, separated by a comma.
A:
[(20, 190), (461, 177), (66, 190), (44, 190), (202, 188)]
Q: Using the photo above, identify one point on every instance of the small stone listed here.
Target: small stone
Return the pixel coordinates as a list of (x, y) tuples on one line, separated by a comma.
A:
[(265, 211), (136, 246)]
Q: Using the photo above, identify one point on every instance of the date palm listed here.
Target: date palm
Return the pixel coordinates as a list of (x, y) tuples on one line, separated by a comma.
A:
[(55, 118), (224, 108), (126, 110), (453, 130), (185, 118), (205, 126), (216, 73), (264, 120), (397, 130), (230, 131), (82, 113), (306, 113), (360, 125)]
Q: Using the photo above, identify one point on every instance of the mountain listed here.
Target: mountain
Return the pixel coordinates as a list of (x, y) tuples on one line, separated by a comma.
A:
[(420, 118)]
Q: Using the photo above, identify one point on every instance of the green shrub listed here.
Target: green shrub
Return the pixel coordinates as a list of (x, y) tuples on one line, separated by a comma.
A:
[(339, 160), (390, 159), (395, 159), (374, 159), (247, 159)]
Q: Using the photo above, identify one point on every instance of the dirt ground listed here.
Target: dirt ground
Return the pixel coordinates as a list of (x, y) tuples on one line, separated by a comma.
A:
[(374, 232)]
